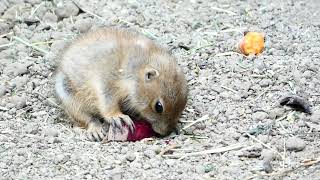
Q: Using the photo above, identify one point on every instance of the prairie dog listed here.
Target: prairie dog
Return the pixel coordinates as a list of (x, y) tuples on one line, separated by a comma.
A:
[(120, 76)]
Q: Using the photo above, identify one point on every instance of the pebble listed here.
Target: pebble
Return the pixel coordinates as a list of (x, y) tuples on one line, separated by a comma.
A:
[(259, 64), (149, 153), (17, 69), (267, 167), (201, 169), (276, 112), (83, 25), (50, 132), (57, 140), (50, 17), (66, 10), (315, 117), (146, 166), (19, 101), (19, 81), (2, 90), (61, 159), (267, 154), (265, 82), (130, 156), (136, 165), (259, 116), (3, 7), (170, 162), (295, 144)]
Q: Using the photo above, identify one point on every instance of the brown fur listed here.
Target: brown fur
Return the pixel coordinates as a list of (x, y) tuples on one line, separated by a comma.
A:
[(104, 74)]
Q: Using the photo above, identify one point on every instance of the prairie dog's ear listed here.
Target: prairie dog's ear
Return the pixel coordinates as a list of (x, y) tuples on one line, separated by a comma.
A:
[(151, 73)]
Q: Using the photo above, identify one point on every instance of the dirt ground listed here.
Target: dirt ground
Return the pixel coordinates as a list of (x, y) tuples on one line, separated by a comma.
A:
[(234, 98)]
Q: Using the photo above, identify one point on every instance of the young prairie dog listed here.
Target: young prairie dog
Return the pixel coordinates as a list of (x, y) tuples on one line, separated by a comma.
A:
[(120, 76)]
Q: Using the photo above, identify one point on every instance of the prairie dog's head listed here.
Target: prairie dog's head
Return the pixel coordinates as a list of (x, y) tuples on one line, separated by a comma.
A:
[(161, 92)]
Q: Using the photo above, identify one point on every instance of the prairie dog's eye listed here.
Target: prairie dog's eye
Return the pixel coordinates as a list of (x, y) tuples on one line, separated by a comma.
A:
[(158, 107)]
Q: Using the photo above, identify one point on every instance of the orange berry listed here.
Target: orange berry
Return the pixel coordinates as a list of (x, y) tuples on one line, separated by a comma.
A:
[(252, 43)]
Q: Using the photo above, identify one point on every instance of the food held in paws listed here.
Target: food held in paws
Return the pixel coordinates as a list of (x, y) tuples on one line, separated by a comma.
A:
[(142, 130)]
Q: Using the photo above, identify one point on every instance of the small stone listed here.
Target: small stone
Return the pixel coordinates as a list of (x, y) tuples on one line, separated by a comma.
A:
[(50, 17), (146, 166), (268, 154), (149, 153), (57, 140), (259, 64), (200, 169), (276, 112), (295, 144), (50, 140), (136, 165), (267, 167), (156, 149), (116, 174), (130, 156), (61, 159), (19, 101), (83, 25), (265, 82), (66, 10), (17, 69), (50, 132), (170, 162), (2, 90), (259, 116), (3, 7), (315, 117), (19, 81)]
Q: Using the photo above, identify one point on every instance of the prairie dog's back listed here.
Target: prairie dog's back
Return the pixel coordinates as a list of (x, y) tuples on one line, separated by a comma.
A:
[(105, 50)]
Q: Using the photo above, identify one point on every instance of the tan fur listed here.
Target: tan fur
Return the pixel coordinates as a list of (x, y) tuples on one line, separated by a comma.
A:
[(104, 74)]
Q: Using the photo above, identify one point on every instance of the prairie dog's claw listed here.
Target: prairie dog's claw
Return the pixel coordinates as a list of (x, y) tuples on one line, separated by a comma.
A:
[(96, 132), (118, 122), (127, 120)]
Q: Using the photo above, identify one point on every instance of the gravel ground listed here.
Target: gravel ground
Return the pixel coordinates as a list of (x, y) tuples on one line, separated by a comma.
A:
[(237, 97)]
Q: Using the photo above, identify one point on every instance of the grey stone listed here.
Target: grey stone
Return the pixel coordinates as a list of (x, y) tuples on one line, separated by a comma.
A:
[(51, 132), (259, 116), (19, 101), (130, 156), (66, 10), (50, 17), (83, 25), (295, 144)]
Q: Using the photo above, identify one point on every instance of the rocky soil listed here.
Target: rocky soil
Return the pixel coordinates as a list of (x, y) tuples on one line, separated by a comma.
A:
[(234, 98)]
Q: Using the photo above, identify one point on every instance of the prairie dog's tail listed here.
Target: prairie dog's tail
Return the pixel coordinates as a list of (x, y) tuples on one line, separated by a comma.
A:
[(60, 87)]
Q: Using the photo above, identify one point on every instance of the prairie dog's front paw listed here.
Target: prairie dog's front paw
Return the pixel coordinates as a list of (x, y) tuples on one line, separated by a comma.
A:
[(118, 122), (96, 131)]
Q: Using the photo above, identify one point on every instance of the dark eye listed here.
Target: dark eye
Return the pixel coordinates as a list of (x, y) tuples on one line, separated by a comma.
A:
[(158, 107)]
